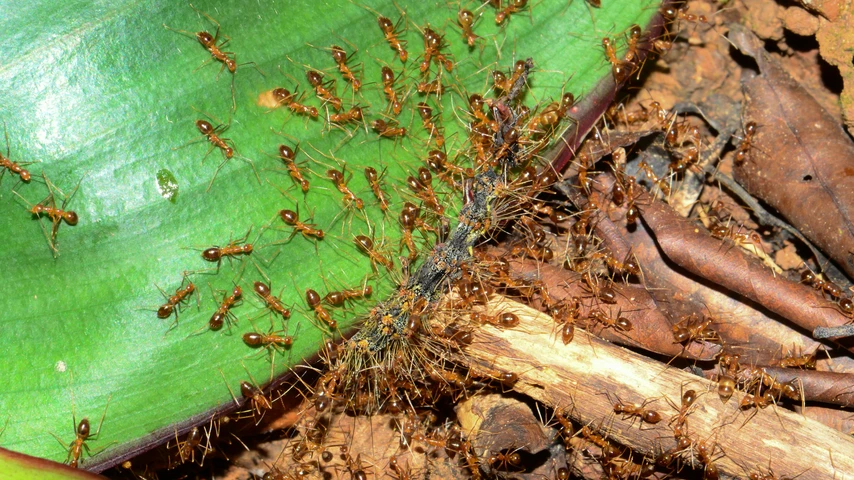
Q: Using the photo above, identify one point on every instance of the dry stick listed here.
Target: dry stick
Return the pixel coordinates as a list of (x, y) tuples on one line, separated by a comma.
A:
[(830, 332), (701, 254), (577, 376)]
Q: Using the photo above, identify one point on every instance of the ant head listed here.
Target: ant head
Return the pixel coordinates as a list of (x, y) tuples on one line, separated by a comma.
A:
[(286, 152), (70, 218), (314, 77), (204, 127), (338, 54), (205, 38), (83, 428)]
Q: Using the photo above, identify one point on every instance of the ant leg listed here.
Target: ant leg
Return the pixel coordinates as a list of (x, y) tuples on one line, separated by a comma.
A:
[(216, 172), (203, 64), (200, 139), (208, 17), (233, 95), (182, 32), (254, 65)]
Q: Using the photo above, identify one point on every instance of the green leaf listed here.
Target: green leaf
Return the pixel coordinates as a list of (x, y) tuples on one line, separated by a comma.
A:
[(101, 97), (16, 466)]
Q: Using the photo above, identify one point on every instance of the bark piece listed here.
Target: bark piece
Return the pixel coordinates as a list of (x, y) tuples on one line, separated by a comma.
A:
[(576, 378), (501, 424)]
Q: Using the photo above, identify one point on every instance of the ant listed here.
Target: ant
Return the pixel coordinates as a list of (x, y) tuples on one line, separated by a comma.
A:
[(434, 86), (83, 434), (337, 178), (637, 410), (9, 165), (515, 6), (608, 449), (476, 103), (402, 473), (692, 329), (324, 390), (466, 21), (744, 146), (565, 314), (423, 189), (352, 115), (415, 213), (542, 253), (728, 371), (671, 13), (725, 231), (388, 88), (846, 306), (392, 32), (806, 361), (818, 283), (374, 181), (437, 160), (620, 324), (256, 397), (552, 114), (172, 302), (426, 113), (366, 245), (292, 218), (225, 145), (216, 254), (706, 455), (501, 320), (209, 42), (385, 129), (632, 44), (272, 302), (337, 298), (284, 97), (605, 293), (288, 156), (661, 183), (223, 312), (340, 57), (505, 461), (212, 133), (312, 298), (407, 221), (433, 43), (187, 448), (618, 67), (47, 207), (268, 340), (324, 90), (687, 401)]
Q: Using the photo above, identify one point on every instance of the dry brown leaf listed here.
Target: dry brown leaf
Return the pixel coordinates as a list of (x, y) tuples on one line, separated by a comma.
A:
[(801, 161)]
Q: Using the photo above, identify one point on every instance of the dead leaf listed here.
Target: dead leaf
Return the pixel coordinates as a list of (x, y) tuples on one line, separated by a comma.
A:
[(801, 162)]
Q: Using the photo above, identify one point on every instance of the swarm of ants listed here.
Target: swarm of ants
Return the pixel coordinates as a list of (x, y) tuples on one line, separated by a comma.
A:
[(541, 234)]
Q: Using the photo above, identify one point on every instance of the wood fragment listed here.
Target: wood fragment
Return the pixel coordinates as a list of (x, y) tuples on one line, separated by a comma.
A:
[(577, 376)]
